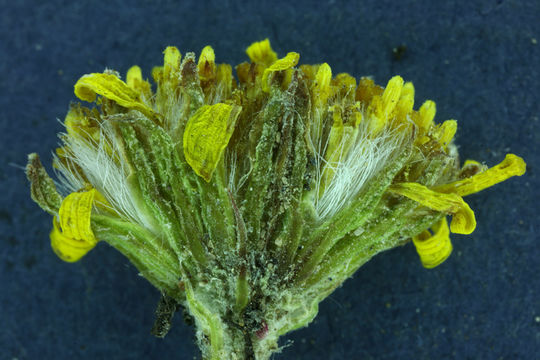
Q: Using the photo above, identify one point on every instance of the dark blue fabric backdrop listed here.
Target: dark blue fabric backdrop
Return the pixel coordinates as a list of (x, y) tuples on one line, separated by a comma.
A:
[(477, 59)]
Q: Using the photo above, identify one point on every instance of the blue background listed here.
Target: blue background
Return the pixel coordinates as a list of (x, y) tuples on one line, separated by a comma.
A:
[(478, 60)]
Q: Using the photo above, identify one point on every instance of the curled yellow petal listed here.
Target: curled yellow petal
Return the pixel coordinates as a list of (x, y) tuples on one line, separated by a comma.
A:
[(66, 248), (512, 165), (72, 236), (206, 64), (112, 88), (206, 136), (435, 248), (261, 52), (285, 63), (463, 220)]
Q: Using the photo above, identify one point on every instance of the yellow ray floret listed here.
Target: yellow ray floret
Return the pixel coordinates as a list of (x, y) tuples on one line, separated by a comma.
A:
[(206, 64), (112, 88), (382, 106), (135, 81), (133, 75), (285, 63), (426, 114), (206, 136), (391, 95), (171, 62), (261, 52), (321, 87), (512, 165), (405, 103), (463, 220), (444, 133), (72, 236), (435, 248)]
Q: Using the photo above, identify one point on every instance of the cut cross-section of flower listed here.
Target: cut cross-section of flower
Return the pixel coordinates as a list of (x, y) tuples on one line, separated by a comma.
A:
[(249, 199)]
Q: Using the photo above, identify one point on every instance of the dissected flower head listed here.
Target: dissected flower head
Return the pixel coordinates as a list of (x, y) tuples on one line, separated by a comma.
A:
[(248, 200)]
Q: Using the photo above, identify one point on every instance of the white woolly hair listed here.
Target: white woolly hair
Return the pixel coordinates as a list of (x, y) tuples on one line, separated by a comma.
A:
[(366, 157), (105, 174)]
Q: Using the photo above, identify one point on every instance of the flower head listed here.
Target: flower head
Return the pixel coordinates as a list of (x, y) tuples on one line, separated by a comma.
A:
[(259, 195)]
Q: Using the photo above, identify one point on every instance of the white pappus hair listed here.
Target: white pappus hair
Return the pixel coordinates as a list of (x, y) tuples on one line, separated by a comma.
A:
[(366, 157), (106, 175)]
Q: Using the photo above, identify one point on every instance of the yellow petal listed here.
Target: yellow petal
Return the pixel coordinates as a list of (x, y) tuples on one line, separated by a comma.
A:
[(376, 122), (463, 220), (444, 133), (406, 102), (285, 63), (434, 249), (133, 75), (206, 136), (390, 96), (206, 64), (135, 81), (171, 61), (321, 87), (426, 114), (261, 52), (72, 236), (112, 88), (512, 165)]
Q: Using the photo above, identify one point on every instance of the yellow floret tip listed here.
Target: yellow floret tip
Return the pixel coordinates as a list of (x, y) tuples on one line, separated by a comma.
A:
[(406, 102), (444, 133), (206, 136), (133, 76), (206, 64), (72, 236), (282, 64), (390, 96), (171, 60), (322, 88), (135, 81), (426, 114), (261, 52), (434, 249)]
